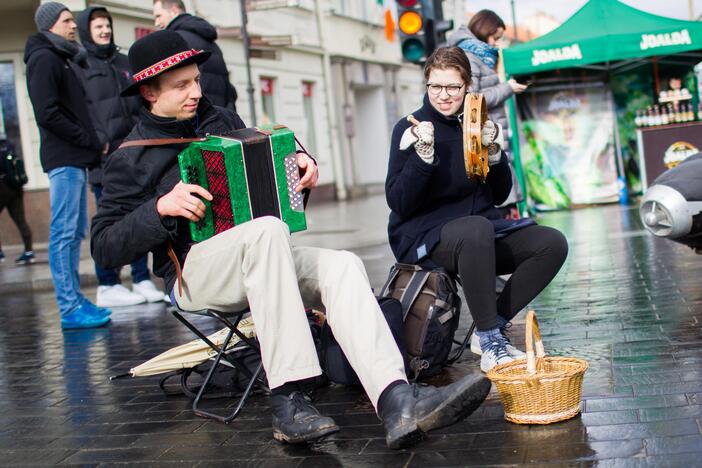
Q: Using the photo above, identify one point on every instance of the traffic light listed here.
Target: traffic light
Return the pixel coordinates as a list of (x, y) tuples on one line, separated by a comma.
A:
[(410, 22), (422, 28)]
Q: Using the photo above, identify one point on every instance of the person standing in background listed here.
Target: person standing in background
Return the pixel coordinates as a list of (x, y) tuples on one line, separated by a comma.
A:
[(479, 41), (104, 76), (12, 197), (68, 147), (200, 35)]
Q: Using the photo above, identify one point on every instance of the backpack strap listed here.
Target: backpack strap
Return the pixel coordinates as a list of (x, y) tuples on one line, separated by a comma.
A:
[(412, 290), (394, 271)]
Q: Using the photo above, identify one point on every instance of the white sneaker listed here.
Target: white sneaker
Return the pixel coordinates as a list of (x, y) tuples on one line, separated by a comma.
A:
[(148, 290), (511, 350), (495, 354), (117, 296)]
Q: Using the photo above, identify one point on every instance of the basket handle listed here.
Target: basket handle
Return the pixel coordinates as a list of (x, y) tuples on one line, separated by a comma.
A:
[(533, 340)]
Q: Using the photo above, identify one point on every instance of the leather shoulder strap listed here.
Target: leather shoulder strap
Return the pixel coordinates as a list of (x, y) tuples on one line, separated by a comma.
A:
[(159, 142)]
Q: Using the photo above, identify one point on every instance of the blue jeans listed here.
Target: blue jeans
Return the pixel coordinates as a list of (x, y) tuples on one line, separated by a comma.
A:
[(140, 271), (69, 223)]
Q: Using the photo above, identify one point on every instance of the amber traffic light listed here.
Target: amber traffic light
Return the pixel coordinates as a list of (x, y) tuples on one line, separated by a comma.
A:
[(422, 28)]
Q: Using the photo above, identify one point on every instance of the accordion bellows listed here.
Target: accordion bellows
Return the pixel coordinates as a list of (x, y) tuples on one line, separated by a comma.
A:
[(250, 173)]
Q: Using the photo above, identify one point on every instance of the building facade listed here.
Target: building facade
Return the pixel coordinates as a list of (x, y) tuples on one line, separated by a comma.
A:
[(321, 67)]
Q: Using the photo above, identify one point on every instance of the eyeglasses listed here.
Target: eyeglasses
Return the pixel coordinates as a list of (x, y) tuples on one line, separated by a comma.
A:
[(452, 90)]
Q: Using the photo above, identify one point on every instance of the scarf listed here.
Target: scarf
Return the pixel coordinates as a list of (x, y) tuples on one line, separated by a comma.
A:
[(74, 50), (485, 52)]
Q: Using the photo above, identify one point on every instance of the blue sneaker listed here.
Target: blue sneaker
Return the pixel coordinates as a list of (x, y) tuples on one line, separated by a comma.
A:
[(26, 258), (82, 317), (95, 310), (2, 256)]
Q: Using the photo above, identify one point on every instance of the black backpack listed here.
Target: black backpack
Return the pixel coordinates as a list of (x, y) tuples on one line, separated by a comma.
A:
[(11, 167), (431, 310), (333, 360)]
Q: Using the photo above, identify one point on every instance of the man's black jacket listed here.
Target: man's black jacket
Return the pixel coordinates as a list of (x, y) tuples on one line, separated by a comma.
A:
[(126, 225), (214, 79), (104, 76), (67, 134)]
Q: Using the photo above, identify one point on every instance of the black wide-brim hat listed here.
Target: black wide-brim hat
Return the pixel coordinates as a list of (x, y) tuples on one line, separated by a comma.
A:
[(156, 53)]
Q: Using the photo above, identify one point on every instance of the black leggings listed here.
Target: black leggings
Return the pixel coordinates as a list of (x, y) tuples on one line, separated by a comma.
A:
[(533, 255), (13, 199)]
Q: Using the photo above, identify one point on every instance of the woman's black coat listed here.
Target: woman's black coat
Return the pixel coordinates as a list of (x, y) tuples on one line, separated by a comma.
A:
[(424, 197), (104, 76)]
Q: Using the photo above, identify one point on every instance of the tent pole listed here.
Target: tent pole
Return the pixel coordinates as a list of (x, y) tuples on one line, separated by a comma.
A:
[(516, 153), (656, 76), (623, 195)]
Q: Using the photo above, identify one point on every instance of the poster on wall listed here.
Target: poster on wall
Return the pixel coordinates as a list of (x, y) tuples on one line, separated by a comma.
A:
[(567, 146)]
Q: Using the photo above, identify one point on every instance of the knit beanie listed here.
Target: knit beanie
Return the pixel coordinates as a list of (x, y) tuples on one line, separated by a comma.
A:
[(47, 14)]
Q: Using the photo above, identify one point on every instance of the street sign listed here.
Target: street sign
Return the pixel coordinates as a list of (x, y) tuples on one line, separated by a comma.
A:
[(259, 5)]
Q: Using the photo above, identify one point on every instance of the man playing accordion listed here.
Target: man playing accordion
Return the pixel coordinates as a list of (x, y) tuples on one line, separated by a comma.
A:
[(146, 207)]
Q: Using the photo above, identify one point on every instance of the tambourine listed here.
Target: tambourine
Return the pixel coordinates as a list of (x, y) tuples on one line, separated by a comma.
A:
[(475, 155)]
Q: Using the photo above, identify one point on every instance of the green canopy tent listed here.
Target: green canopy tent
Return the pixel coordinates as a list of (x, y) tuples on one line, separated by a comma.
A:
[(604, 36), (603, 31)]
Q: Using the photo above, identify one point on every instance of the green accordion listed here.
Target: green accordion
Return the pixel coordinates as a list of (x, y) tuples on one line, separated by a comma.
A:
[(250, 173)]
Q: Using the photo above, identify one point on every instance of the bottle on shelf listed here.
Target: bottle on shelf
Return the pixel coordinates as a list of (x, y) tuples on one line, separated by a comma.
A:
[(699, 111), (665, 117), (657, 120), (637, 118), (690, 112)]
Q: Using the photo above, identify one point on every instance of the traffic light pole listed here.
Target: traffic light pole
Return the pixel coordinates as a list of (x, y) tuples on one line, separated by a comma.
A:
[(514, 23), (341, 192), (247, 51)]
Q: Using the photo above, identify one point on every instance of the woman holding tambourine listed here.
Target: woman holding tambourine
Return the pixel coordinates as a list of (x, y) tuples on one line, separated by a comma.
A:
[(441, 216)]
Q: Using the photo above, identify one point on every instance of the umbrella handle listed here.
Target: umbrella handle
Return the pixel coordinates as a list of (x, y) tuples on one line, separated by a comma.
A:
[(121, 376)]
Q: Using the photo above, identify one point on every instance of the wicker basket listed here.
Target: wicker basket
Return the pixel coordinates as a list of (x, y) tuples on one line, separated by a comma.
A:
[(539, 389)]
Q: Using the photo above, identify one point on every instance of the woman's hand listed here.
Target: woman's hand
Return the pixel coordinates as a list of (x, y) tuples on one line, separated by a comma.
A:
[(493, 138), (422, 137), (516, 87)]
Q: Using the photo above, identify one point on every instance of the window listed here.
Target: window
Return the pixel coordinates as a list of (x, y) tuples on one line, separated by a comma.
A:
[(267, 88), (308, 107), (9, 118)]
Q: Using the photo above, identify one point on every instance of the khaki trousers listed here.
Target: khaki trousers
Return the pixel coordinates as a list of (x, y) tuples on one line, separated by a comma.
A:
[(255, 265)]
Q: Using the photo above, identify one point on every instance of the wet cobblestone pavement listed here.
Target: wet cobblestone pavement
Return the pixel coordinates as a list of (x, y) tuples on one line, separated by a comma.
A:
[(628, 303)]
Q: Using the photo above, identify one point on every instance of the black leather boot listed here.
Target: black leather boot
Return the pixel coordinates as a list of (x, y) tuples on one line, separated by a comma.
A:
[(295, 420), (411, 410)]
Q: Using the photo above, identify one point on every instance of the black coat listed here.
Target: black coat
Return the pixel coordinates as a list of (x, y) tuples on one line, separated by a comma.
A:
[(424, 197), (104, 76), (127, 225), (214, 78), (65, 129)]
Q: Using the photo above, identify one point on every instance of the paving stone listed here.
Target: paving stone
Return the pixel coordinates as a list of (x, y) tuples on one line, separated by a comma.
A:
[(642, 430), (629, 304), (680, 444)]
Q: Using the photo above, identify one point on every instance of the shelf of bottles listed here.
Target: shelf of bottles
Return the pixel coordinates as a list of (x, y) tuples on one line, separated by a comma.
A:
[(673, 107)]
